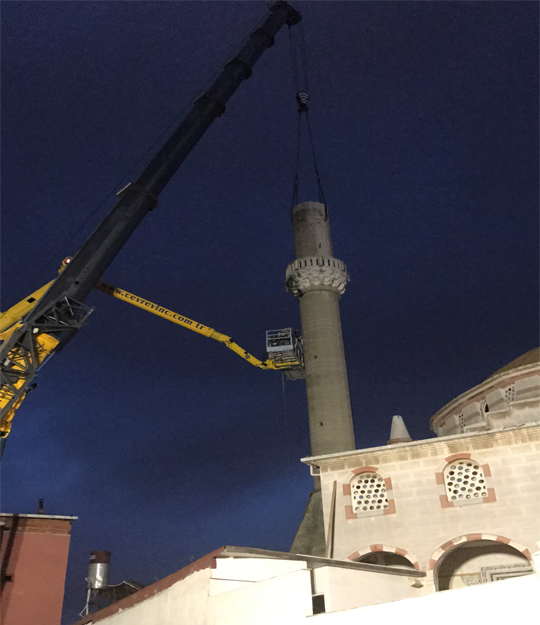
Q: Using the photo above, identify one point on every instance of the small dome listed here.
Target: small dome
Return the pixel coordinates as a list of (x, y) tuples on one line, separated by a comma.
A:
[(528, 358)]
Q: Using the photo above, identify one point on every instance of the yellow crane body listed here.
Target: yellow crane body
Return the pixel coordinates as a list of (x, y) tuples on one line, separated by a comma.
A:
[(19, 360), (20, 310)]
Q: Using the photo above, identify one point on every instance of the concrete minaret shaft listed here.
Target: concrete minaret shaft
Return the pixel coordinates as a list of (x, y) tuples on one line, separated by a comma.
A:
[(317, 280)]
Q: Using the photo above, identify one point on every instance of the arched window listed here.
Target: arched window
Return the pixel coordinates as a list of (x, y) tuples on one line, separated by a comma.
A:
[(369, 492), (386, 558), (386, 555), (369, 496), (477, 559), (464, 480)]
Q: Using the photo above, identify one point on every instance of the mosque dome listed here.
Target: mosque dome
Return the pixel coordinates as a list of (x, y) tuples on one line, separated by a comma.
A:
[(510, 397), (529, 358)]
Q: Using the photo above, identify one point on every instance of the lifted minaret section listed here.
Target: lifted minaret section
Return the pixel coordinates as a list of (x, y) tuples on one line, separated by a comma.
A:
[(318, 280)]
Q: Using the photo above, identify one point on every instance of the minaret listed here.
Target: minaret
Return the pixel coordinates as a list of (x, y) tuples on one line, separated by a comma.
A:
[(318, 280)]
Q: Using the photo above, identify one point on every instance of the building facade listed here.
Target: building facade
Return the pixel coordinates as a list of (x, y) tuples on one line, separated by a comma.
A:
[(402, 523), (33, 556), (463, 507)]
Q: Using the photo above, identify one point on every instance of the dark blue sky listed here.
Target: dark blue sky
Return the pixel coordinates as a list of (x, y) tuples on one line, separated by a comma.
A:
[(165, 444)]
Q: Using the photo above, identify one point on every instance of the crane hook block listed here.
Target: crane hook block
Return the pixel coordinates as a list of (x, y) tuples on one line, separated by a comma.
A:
[(302, 99)]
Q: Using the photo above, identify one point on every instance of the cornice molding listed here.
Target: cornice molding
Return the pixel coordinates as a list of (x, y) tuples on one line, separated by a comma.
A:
[(425, 448)]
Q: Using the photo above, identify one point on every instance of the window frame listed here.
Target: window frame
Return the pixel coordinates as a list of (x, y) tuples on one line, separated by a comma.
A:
[(347, 492), (445, 502)]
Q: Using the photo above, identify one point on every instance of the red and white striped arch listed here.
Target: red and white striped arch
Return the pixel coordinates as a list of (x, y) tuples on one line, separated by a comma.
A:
[(451, 544), (389, 549)]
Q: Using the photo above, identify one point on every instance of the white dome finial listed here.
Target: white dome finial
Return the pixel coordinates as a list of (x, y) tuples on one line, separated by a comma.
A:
[(398, 431)]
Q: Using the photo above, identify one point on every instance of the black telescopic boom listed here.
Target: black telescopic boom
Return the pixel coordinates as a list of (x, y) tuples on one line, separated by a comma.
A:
[(60, 311), (135, 200)]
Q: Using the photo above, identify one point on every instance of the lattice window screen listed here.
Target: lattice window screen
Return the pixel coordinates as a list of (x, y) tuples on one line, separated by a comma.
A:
[(369, 495), (464, 479)]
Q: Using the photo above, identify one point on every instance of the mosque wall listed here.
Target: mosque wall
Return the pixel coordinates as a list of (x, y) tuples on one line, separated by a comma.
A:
[(417, 509), (510, 601)]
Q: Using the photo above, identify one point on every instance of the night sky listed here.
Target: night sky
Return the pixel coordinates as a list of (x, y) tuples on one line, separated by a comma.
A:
[(425, 119)]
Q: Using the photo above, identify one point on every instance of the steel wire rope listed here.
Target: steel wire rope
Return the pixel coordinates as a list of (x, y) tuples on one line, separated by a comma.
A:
[(292, 42), (303, 55), (322, 199), (299, 57), (285, 419), (53, 257)]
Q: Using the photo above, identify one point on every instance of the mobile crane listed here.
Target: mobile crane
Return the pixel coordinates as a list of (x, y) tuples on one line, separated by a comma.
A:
[(45, 325), (283, 346)]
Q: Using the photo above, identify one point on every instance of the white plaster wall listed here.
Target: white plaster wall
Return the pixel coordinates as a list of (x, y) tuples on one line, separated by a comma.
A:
[(286, 600), (420, 525), (284, 597), (283, 600), (254, 569), (183, 602), (498, 603), (232, 573), (345, 589)]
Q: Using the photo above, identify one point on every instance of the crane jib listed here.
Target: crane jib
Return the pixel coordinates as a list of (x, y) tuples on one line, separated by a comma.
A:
[(289, 358), (155, 308), (60, 312), (138, 198)]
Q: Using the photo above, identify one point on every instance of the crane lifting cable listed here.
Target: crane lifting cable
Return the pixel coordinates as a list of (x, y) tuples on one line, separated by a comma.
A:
[(300, 74)]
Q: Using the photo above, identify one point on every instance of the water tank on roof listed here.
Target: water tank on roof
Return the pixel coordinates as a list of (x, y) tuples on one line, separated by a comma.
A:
[(98, 569)]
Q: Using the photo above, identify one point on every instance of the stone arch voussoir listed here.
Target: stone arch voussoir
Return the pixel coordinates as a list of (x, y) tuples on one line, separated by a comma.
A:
[(441, 551), (388, 548)]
